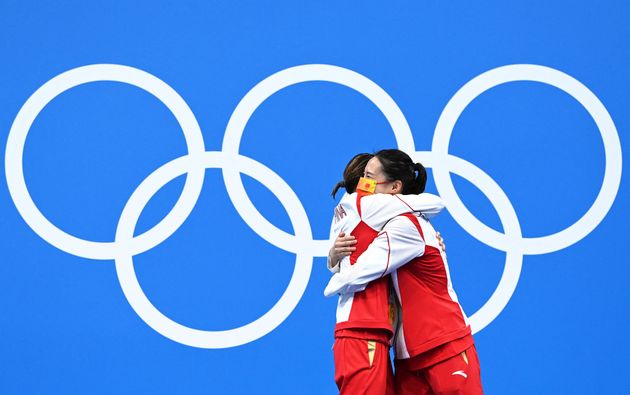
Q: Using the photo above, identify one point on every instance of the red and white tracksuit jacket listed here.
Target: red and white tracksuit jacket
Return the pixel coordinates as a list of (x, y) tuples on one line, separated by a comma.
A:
[(407, 248), (363, 216)]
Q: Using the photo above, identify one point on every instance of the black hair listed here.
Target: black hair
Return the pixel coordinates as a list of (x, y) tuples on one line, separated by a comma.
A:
[(351, 174), (397, 165)]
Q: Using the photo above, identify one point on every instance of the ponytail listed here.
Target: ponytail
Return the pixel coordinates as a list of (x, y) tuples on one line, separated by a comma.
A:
[(420, 180), (340, 184)]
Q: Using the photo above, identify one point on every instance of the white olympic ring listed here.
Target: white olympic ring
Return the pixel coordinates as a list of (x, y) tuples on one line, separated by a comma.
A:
[(53, 88), (261, 92), (213, 339), (302, 243), (612, 149)]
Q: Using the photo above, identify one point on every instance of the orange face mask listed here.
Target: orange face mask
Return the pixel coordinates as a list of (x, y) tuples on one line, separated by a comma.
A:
[(366, 185)]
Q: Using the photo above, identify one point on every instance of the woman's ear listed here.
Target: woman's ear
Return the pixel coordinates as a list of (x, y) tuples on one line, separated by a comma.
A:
[(397, 187)]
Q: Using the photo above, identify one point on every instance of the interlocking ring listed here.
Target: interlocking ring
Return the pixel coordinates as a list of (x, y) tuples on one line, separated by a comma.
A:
[(232, 164), (44, 95)]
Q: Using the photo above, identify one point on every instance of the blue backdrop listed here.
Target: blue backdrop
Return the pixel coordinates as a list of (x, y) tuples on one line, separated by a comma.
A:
[(67, 326)]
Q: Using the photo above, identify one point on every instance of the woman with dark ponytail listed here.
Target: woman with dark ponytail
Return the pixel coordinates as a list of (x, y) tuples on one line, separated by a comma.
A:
[(364, 325), (435, 351), (397, 165)]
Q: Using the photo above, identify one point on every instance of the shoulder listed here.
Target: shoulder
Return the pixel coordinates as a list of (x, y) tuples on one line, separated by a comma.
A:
[(408, 220), (349, 199), (404, 224), (376, 201)]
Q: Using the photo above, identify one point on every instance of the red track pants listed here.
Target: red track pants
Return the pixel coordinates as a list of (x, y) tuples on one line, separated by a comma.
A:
[(362, 367), (458, 375)]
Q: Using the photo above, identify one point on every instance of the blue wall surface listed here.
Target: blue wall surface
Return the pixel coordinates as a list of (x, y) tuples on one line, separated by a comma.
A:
[(519, 109)]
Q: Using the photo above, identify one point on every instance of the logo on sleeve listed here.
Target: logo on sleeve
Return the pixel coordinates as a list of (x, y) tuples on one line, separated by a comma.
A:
[(339, 213)]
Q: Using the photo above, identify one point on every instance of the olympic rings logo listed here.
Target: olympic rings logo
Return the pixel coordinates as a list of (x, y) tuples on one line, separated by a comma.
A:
[(125, 245)]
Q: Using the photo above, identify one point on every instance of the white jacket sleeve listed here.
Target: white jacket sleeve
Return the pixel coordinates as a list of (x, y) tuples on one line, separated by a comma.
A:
[(379, 208), (398, 243), (333, 267)]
